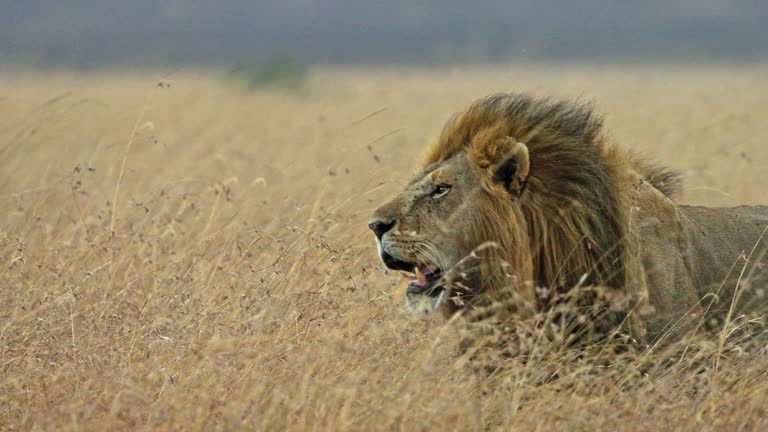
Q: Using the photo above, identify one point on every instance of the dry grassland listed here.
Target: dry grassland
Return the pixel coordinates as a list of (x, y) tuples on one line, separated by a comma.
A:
[(194, 256)]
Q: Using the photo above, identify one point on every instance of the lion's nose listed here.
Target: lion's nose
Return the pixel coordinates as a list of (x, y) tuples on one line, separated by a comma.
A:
[(380, 227)]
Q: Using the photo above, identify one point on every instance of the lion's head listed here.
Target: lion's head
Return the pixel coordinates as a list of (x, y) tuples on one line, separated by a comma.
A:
[(452, 206), (530, 177)]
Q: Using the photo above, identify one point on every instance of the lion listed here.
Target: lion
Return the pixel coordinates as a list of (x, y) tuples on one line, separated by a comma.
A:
[(537, 180)]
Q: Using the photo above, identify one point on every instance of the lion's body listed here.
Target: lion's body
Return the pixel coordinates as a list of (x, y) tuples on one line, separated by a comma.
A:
[(691, 261), (581, 212), (695, 259)]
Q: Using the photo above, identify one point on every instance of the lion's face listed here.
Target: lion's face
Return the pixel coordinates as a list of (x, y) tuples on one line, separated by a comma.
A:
[(435, 223), (419, 231)]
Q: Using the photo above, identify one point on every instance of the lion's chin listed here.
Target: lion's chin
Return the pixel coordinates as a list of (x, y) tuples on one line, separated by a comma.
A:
[(425, 305), (424, 293)]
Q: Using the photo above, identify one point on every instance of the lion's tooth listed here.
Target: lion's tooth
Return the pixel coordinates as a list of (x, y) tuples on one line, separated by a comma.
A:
[(420, 277)]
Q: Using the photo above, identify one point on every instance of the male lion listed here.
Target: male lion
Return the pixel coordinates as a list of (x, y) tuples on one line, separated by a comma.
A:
[(536, 179)]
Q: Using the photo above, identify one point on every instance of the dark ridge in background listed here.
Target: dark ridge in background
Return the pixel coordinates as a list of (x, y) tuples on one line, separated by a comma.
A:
[(87, 33)]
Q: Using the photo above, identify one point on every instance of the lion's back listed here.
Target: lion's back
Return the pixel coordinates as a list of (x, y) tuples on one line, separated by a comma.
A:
[(726, 248), (695, 259)]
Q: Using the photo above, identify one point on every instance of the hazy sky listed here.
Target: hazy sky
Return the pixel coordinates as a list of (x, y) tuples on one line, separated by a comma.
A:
[(92, 32)]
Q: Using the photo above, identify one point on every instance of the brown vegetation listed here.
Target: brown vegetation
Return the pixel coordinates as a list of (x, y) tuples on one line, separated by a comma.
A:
[(194, 256)]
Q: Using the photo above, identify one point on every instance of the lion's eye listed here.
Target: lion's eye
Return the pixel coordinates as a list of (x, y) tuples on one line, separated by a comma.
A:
[(440, 190)]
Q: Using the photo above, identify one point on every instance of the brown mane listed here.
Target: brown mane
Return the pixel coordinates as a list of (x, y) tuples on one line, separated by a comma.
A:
[(571, 204)]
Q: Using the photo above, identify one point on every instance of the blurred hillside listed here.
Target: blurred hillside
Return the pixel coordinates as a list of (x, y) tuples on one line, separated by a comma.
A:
[(85, 33)]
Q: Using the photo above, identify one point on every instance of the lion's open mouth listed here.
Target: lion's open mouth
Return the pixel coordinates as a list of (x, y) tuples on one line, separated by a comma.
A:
[(424, 280)]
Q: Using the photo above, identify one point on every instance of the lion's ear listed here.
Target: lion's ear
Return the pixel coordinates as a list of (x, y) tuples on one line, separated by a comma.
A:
[(512, 170)]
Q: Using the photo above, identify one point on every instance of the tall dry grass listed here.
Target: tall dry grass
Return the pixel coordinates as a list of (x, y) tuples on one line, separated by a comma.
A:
[(192, 256)]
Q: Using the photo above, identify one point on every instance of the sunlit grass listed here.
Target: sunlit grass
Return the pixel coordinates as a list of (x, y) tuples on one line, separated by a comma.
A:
[(192, 256)]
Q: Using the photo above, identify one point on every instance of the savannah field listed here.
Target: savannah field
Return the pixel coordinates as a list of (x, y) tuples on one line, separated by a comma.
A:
[(179, 252)]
